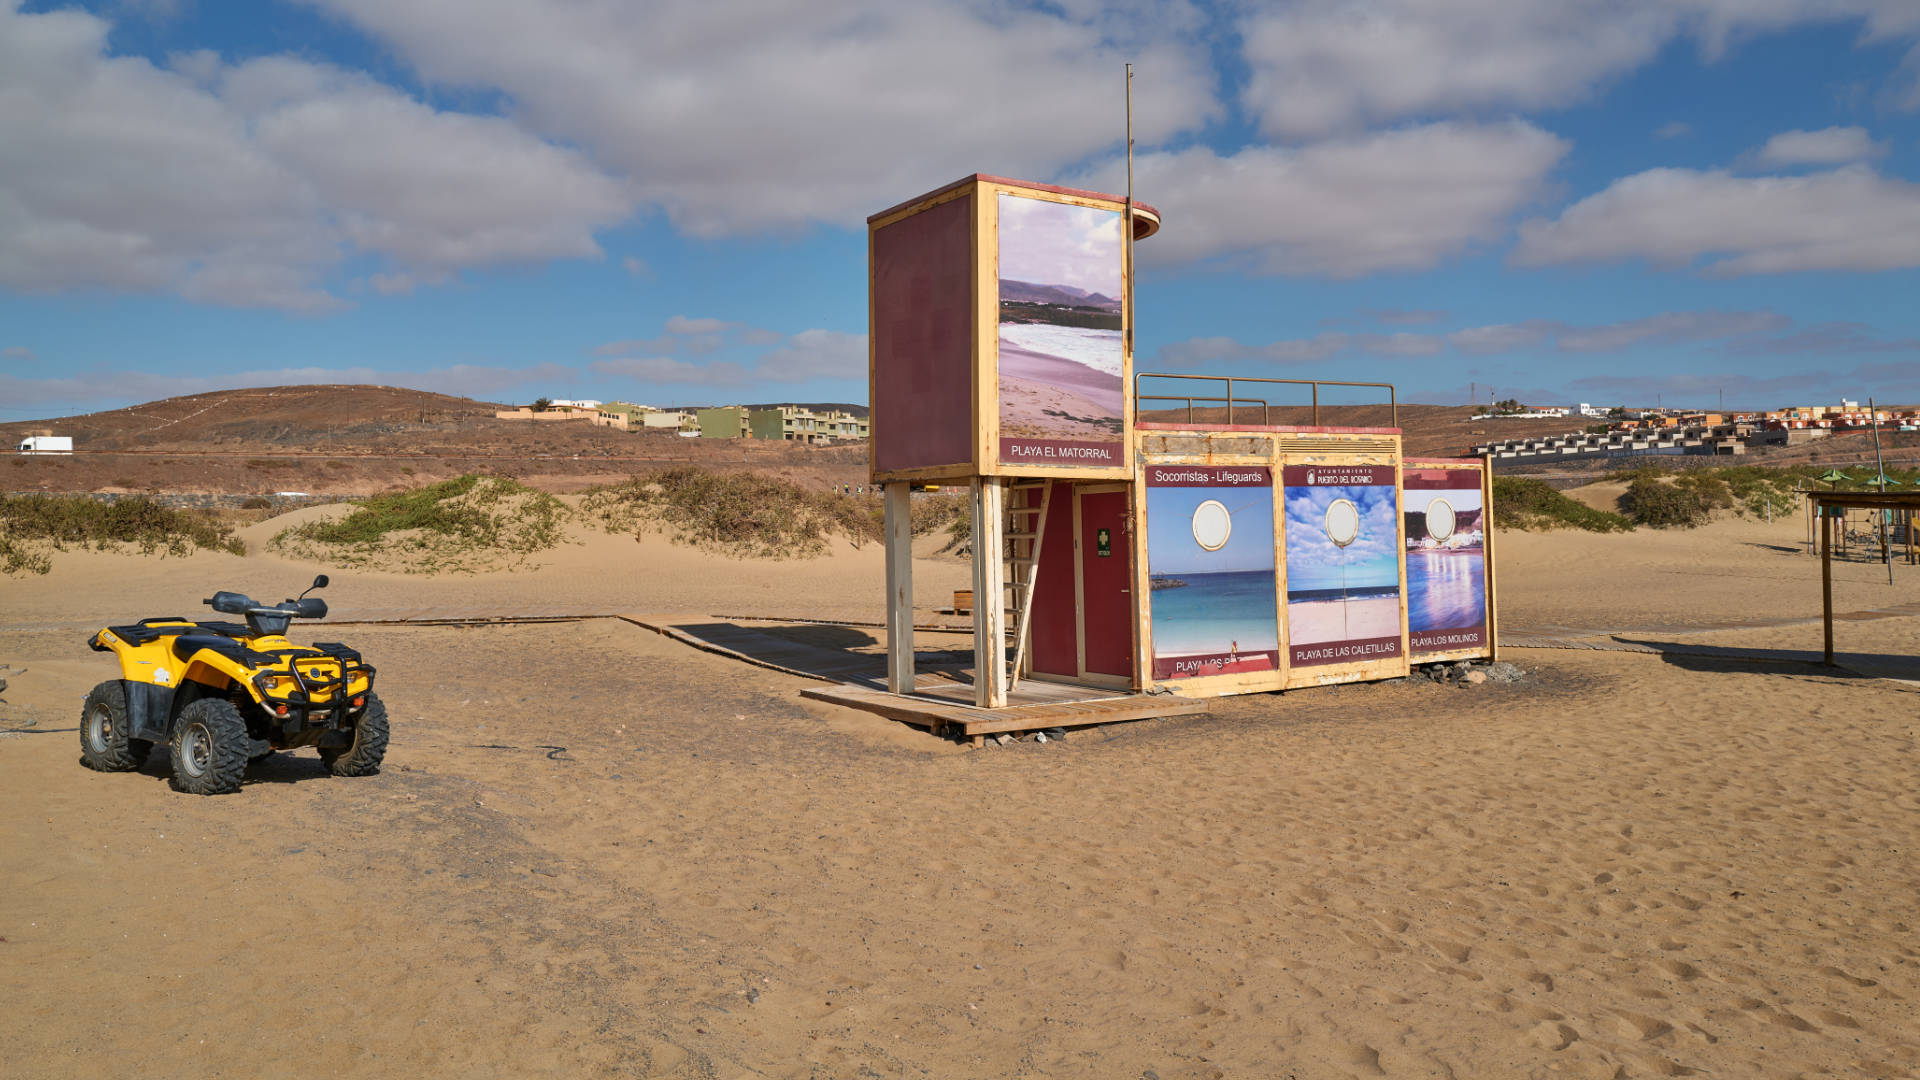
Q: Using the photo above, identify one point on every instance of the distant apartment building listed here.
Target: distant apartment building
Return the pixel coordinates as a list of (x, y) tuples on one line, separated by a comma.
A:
[(791, 423), (563, 411), (726, 422)]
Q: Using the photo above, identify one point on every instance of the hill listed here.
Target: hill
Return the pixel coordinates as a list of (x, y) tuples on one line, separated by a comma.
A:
[(338, 440)]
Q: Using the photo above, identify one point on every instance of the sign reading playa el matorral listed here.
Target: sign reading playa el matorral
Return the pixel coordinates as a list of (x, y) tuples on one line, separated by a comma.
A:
[(1062, 354), (1343, 563)]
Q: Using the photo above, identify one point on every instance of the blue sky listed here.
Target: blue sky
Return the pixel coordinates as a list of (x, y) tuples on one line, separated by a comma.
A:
[(1171, 548), (1613, 201), (1314, 561)]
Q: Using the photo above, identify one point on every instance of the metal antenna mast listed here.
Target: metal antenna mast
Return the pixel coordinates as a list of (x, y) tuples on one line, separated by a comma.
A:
[(1128, 225)]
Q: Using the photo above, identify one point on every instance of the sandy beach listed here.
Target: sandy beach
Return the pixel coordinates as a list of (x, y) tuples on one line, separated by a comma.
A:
[(1046, 397), (1332, 620), (595, 852)]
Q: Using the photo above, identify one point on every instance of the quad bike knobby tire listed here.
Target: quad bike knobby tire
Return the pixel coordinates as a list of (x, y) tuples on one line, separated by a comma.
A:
[(106, 743), (369, 743), (210, 747)]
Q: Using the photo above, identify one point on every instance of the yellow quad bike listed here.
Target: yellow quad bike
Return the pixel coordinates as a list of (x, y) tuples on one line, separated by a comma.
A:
[(221, 694)]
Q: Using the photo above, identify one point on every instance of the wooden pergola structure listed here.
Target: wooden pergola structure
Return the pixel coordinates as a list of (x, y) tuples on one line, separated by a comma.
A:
[(1832, 506)]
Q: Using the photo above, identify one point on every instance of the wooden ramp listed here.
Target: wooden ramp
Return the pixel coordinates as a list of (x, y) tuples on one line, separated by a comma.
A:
[(939, 704)]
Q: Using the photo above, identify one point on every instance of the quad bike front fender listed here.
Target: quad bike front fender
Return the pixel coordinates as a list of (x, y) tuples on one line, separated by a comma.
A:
[(149, 710)]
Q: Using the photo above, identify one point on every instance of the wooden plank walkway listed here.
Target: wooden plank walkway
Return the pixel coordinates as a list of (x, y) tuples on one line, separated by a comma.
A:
[(1033, 706)]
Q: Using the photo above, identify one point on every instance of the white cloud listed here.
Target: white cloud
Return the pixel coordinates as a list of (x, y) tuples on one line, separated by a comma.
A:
[(666, 369), (781, 113), (1674, 326), (1844, 219), (1740, 386), (1828, 146), (637, 266), (430, 189), (247, 185), (1673, 129), (816, 354), (16, 352), (1403, 316), (1742, 330), (1320, 66), (681, 324), (1392, 200), (1500, 337), (807, 355)]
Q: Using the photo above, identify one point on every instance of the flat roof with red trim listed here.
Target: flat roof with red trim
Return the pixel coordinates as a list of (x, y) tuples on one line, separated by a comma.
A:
[(1146, 219)]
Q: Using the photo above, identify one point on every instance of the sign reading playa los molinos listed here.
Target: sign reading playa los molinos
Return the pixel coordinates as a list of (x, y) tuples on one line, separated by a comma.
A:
[(1061, 340), (1446, 561), (1343, 564)]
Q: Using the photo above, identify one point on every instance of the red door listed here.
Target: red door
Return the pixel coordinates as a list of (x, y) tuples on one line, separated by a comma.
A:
[(1106, 582)]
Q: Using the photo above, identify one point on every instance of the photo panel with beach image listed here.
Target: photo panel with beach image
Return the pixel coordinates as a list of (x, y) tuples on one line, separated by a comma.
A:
[(1061, 349), (1446, 560), (1210, 563), (1343, 564)]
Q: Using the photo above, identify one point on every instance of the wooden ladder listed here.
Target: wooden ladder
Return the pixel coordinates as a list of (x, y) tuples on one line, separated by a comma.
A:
[(1022, 532)]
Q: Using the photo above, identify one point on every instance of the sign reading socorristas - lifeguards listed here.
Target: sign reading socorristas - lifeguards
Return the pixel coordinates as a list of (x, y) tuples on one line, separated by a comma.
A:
[(1343, 563), (1210, 563)]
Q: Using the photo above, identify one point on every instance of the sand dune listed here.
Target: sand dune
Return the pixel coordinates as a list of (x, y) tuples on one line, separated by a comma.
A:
[(596, 853)]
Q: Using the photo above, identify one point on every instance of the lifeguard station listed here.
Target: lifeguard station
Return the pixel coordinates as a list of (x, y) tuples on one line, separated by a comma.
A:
[(1141, 533)]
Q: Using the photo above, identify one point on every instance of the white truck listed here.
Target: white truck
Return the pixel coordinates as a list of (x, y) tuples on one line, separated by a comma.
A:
[(47, 444)]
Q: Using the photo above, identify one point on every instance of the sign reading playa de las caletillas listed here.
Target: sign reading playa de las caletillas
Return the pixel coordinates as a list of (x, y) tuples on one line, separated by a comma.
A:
[(1343, 563)]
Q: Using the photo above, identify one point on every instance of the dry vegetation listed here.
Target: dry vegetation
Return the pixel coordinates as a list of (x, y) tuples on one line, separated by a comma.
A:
[(465, 525), (32, 527), (743, 515)]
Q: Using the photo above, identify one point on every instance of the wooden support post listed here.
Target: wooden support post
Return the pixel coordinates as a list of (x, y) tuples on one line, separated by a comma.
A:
[(989, 596), (1826, 578), (899, 525)]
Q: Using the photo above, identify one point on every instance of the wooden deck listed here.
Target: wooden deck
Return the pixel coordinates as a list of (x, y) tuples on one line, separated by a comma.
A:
[(939, 704)]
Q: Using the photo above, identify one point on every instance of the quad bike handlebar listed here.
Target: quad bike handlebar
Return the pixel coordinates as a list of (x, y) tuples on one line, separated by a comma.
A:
[(273, 619)]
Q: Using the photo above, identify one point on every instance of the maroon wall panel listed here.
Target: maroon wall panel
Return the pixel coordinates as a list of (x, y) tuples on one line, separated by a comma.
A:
[(923, 321), (1056, 628)]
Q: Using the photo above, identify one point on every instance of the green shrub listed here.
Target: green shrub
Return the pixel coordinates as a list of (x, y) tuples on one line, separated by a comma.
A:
[(1520, 503), (34, 526), (1687, 501), (461, 525), (736, 513)]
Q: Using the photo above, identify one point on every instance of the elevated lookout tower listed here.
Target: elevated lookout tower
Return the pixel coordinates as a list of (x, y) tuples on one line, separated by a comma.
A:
[(1216, 542)]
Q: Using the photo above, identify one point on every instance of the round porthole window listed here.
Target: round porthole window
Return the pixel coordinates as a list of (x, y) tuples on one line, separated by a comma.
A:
[(1212, 525), (1343, 522), (1440, 519)]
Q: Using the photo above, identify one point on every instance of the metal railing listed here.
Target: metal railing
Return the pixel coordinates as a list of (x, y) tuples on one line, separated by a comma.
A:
[(1266, 407)]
